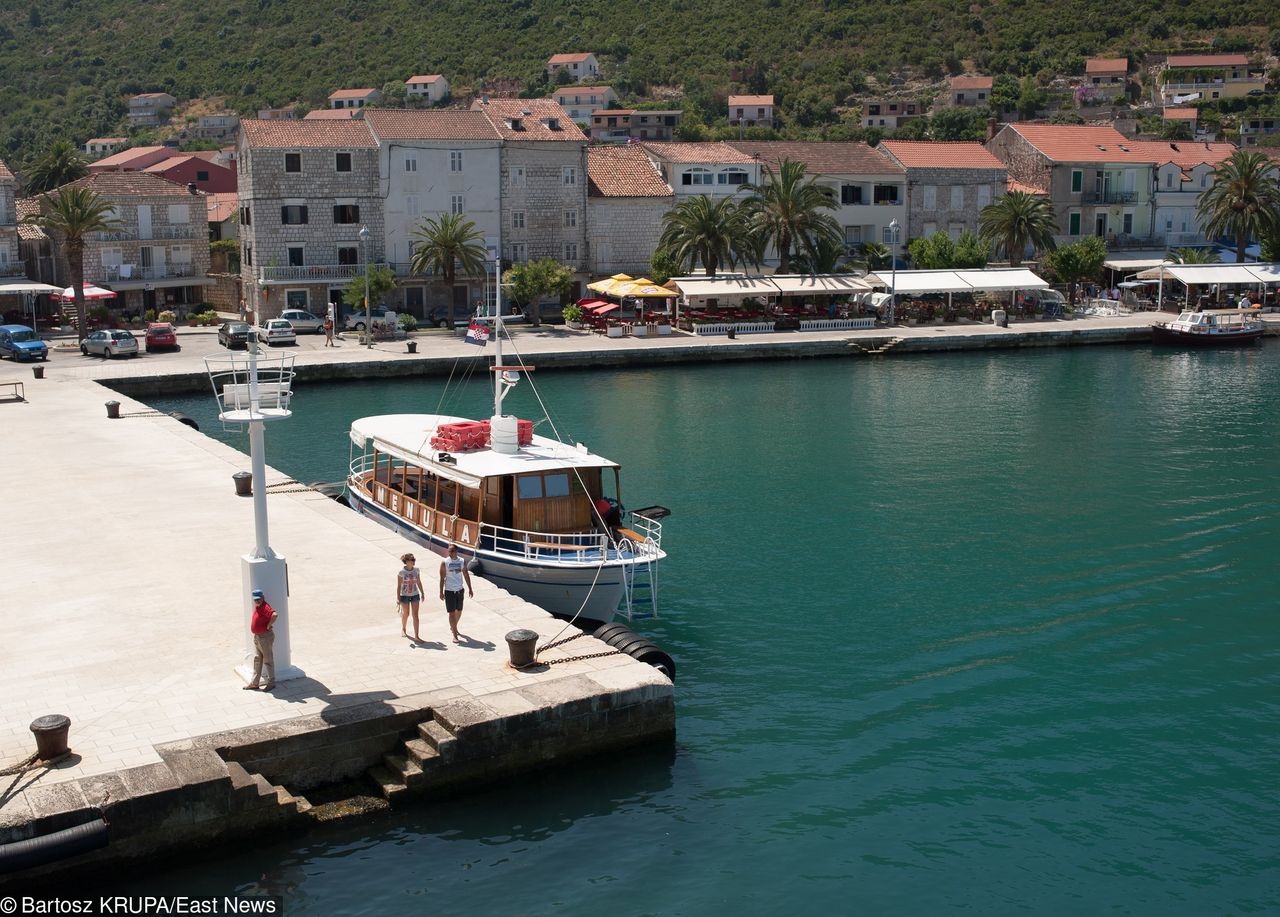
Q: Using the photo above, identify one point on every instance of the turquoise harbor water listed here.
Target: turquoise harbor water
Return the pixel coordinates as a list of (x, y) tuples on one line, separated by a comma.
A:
[(993, 633)]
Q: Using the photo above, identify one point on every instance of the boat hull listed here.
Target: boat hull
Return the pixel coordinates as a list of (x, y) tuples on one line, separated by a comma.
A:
[(589, 593), (1161, 334)]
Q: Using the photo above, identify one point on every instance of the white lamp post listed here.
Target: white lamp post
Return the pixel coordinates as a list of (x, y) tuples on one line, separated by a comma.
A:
[(246, 394), (364, 256), (894, 228)]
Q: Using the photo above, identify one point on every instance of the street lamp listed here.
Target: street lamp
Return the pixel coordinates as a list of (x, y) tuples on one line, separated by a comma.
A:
[(368, 327), (894, 228)]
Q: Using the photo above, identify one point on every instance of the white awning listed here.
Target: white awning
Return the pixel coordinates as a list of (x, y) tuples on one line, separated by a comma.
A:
[(1135, 261), (1014, 278), (1266, 273), (822, 284), (732, 286), (962, 281), (28, 286), (1199, 274)]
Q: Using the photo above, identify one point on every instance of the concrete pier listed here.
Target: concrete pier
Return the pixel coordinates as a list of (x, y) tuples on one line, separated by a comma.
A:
[(124, 612)]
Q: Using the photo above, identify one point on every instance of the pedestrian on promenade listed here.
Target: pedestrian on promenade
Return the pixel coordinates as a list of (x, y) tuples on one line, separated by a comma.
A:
[(409, 594), (262, 626), (328, 331), (244, 310), (453, 574)]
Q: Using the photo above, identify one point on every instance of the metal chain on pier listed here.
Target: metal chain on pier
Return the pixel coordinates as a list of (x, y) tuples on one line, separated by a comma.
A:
[(556, 643)]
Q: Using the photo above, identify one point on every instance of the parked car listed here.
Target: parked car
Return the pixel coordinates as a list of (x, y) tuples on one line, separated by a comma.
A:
[(161, 336), (277, 331), (438, 316), (113, 343), (303, 321), (234, 334), (22, 343), (355, 321)]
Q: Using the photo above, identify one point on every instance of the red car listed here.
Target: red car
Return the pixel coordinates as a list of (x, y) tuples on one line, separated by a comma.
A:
[(161, 336)]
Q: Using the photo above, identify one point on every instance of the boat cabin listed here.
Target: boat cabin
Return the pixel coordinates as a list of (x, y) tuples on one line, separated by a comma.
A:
[(1214, 321)]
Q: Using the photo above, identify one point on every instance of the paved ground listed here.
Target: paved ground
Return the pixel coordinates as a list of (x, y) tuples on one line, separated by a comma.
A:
[(121, 549)]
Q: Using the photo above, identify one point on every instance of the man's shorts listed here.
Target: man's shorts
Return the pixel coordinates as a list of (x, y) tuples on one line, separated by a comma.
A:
[(453, 601)]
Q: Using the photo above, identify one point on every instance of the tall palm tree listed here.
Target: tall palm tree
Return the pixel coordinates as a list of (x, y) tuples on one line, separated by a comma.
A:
[(69, 215), (876, 255), (1016, 219), (789, 209), (828, 257), (61, 163), (1244, 200), (444, 245), (706, 231)]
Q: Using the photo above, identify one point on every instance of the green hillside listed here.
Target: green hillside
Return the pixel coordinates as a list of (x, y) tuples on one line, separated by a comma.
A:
[(67, 65)]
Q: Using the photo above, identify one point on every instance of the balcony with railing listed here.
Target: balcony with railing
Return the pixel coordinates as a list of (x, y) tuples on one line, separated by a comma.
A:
[(314, 272), (124, 273), (13, 269), (133, 234), (1109, 197)]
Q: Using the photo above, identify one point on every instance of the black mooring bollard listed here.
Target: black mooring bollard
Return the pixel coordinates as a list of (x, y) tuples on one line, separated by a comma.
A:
[(113, 410), (521, 645), (244, 483)]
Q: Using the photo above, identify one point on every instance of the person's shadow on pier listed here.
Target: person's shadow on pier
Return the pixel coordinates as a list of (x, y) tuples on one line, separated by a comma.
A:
[(426, 645), (473, 643)]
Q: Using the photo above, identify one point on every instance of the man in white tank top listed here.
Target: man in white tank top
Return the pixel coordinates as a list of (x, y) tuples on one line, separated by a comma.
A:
[(453, 576)]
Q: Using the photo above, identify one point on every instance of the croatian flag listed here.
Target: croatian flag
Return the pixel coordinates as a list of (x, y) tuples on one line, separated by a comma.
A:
[(478, 334)]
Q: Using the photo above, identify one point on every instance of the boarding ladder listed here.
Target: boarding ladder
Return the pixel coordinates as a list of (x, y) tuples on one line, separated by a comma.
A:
[(640, 586)]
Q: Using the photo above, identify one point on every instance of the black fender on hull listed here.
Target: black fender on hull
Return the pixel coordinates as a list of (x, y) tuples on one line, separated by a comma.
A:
[(625, 640)]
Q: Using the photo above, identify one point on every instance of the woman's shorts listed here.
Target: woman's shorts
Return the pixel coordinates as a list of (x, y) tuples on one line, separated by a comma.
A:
[(406, 599)]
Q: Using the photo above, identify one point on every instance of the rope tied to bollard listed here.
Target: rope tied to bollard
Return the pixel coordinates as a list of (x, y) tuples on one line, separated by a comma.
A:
[(31, 763)]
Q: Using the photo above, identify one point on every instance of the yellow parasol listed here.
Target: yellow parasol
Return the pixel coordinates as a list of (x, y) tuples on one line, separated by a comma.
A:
[(607, 285), (641, 288)]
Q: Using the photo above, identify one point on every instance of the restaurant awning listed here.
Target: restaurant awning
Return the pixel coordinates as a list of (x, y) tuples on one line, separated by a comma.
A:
[(27, 286), (1135, 261), (819, 284), (730, 286), (962, 281), (1199, 274), (1014, 278)]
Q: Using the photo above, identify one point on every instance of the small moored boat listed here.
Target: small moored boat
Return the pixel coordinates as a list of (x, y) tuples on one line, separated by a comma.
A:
[(1210, 328)]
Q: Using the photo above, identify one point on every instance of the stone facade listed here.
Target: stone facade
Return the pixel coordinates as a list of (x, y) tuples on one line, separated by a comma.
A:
[(624, 233), (10, 260), (159, 256), (306, 188), (547, 182)]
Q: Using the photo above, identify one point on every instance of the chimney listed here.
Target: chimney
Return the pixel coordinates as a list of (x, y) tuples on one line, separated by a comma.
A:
[(191, 187), (991, 129)]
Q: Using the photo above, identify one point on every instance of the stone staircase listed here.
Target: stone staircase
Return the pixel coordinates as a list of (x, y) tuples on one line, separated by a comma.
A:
[(253, 792), (409, 770), (879, 348)]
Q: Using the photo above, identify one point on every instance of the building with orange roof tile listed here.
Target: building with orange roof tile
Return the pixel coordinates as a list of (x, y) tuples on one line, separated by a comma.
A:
[(159, 256), (715, 169), (751, 111), (1106, 71), (332, 114), (890, 113), (431, 88), (195, 170), (353, 98), (626, 201), (579, 66), (1133, 193), (581, 102), (948, 184), (1205, 77), (133, 159), (970, 90)]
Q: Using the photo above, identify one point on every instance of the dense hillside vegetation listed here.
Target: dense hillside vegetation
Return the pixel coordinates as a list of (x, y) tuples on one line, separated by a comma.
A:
[(67, 65)]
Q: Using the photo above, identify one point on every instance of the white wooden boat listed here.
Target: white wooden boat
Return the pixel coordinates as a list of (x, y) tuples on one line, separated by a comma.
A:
[(1210, 328)]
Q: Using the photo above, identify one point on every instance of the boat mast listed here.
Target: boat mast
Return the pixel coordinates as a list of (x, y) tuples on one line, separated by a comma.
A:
[(497, 336)]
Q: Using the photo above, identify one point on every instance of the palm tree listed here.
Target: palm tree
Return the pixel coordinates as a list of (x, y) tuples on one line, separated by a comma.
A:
[(444, 244), (876, 255), (60, 164), (700, 230), (828, 257), (1244, 200), (1016, 219), (70, 214), (791, 209)]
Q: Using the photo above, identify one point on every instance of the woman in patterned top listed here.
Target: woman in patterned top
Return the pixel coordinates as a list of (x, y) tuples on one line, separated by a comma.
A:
[(409, 594)]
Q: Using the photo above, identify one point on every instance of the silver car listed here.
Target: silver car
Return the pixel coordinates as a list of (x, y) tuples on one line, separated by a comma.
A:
[(303, 321), (114, 343)]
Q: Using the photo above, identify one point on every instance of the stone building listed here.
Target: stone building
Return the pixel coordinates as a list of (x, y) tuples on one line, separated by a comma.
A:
[(306, 188), (10, 258), (948, 184), (626, 201), (159, 256), (543, 182)]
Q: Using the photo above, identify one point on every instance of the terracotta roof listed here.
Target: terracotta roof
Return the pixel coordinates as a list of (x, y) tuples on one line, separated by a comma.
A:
[(222, 205), (579, 90), (109, 183), (697, 152), (352, 93), (970, 82), (332, 114), (1015, 185), (750, 100), (1208, 60), (293, 135), (575, 58), (165, 165), (4, 170), (129, 156), (921, 154), (397, 124), (623, 171), (819, 158), (432, 78), (1106, 65), (1178, 114), (500, 111), (28, 207), (1087, 143), (612, 111)]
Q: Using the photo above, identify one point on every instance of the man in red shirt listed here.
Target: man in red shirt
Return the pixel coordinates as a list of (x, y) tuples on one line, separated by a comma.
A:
[(262, 625)]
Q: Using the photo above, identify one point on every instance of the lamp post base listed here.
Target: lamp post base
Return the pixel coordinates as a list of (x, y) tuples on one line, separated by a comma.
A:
[(271, 575)]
